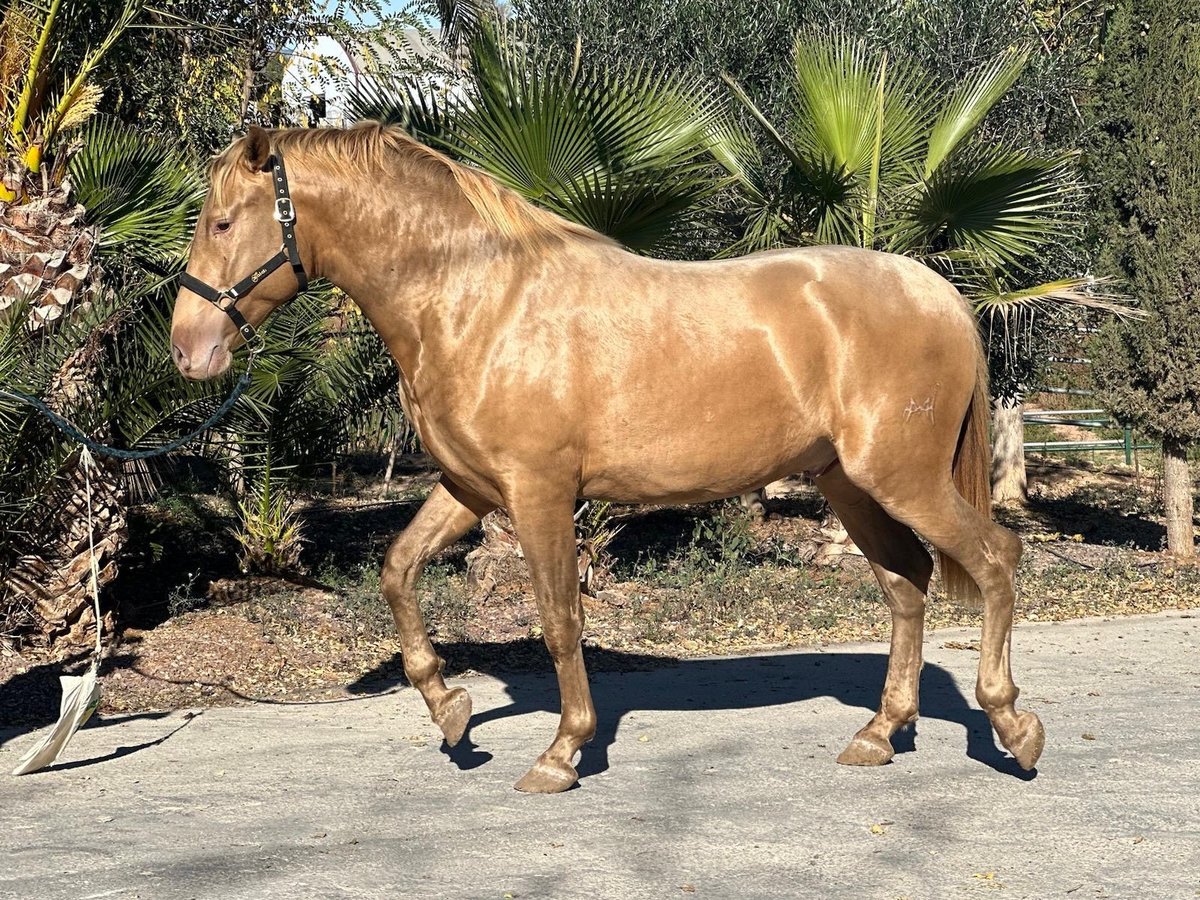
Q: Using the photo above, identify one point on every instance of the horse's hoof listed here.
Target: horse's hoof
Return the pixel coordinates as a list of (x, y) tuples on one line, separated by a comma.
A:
[(1029, 739), (453, 715), (547, 777), (866, 750)]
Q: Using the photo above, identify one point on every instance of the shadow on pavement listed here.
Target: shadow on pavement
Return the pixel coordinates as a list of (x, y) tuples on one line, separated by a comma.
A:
[(128, 749), (698, 685), (30, 700)]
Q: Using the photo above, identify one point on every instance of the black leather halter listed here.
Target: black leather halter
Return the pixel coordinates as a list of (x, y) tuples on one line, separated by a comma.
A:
[(285, 214)]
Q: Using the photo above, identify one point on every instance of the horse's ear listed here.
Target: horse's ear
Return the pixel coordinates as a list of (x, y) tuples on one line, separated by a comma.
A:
[(257, 149)]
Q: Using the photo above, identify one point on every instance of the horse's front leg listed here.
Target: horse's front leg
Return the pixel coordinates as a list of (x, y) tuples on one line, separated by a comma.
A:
[(447, 514), (546, 530)]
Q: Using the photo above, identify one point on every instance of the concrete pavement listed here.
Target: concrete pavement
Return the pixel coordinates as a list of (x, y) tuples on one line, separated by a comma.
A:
[(710, 778)]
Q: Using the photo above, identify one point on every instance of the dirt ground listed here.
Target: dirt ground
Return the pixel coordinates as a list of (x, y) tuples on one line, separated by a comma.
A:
[(678, 582)]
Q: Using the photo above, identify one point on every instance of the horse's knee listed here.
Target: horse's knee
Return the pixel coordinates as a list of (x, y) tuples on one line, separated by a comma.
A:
[(562, 638)]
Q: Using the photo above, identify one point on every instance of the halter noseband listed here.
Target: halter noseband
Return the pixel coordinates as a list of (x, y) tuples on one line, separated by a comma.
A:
[(285, 215)]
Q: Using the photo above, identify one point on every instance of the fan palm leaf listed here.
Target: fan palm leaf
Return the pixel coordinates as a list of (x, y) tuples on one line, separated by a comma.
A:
[(628, 152), (143, 192), (1000, 203)]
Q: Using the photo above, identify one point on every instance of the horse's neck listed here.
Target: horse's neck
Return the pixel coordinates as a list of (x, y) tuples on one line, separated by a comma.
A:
[(407, 254)]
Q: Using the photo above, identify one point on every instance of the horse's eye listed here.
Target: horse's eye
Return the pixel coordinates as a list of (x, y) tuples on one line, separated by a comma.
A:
[(223, 225)]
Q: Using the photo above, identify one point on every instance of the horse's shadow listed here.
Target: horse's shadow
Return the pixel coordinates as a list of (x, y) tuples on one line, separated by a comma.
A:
[(706, 685)]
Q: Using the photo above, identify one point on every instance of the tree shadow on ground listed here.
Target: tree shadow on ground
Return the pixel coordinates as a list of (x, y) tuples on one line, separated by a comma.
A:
[(697, 685), (1097, 524)]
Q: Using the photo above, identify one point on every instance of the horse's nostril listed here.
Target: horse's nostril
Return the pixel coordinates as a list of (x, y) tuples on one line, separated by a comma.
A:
[(181, 358)]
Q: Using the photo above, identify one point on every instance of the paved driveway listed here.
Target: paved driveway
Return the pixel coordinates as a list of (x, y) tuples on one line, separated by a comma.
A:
[(710, 778)]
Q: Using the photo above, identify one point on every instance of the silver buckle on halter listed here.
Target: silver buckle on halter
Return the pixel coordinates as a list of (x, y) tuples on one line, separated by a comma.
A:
[(285, 213)]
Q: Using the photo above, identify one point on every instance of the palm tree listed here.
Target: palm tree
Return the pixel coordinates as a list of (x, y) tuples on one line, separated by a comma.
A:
[(139, 200), (631, 153), (879, 154), (55, 317)]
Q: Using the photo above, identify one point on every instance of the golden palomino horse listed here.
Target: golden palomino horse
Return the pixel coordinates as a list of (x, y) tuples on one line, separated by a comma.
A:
[(541, 363)]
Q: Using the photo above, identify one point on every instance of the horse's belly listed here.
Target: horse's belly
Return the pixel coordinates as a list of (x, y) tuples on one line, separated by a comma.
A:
[(690, 462)]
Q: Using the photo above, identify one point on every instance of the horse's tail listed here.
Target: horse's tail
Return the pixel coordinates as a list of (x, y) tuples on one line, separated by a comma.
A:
[(972, 477)]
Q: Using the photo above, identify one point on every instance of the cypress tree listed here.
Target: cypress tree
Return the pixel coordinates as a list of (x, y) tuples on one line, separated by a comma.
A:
[(1145, 161)]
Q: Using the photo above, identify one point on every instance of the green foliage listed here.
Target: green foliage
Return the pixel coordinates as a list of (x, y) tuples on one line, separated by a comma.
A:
[(721, 546), (725, 539), (881, 155), (142, 190), (214, 65), (269, 529), (1144, 161), (628, 152)]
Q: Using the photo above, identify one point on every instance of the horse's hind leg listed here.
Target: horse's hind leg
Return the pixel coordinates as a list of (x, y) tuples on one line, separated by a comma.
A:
[(446, 515), (903, 568), (990, 554)]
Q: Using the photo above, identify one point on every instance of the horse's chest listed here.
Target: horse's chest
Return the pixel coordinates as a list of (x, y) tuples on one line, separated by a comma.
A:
[(449, 449)]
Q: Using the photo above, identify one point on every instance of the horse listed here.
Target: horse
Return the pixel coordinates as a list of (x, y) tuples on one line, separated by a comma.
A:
[(541, 363)]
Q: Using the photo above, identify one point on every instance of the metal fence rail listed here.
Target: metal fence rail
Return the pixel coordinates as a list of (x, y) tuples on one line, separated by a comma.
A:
[(1081, 418)]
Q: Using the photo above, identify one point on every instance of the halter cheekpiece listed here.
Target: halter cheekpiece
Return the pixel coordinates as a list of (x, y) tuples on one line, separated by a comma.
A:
[(285, 214)]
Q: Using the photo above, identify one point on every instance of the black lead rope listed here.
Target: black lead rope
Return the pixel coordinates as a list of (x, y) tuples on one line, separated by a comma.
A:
[(72, 431), (226, 301)]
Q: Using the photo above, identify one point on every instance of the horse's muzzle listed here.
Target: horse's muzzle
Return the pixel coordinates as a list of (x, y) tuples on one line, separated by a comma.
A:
[(207, 360)]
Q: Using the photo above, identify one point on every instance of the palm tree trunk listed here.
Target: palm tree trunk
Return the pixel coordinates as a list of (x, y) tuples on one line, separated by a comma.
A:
[(1009, 484), (1177, 500)]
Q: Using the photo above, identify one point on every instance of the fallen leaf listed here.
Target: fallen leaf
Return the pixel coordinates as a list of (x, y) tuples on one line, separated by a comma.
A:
[(688, 888), (1088, 736), (643, 738), (1138, 839)]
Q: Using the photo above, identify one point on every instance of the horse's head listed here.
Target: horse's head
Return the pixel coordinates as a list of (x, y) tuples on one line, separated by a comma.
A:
[(237, 232)]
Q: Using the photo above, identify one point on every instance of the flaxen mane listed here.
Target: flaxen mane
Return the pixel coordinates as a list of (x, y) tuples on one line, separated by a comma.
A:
[(371, 145)]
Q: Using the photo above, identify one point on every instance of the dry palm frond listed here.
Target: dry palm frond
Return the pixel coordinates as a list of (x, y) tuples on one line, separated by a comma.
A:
[(1082, 292), (1010, 313)]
